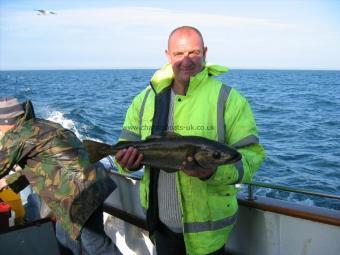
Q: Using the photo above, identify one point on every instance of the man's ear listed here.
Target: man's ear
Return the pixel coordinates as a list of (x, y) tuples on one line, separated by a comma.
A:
[(205, 50), (167, 53)]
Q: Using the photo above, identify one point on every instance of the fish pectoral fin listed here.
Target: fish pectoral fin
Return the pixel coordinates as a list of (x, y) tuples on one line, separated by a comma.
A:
[(96, 150), (200, 164)]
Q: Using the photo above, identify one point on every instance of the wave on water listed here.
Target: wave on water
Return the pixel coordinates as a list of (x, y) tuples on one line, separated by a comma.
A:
[(58, 117)]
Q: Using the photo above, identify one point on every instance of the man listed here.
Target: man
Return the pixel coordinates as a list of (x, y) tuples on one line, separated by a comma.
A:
[(55, 163), (191, 211)]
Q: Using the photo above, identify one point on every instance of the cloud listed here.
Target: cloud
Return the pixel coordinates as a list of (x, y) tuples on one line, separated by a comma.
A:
[(137, 36), (120, 18)]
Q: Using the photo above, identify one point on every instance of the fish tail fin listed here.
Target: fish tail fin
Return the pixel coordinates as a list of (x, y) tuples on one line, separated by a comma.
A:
[(97, 150)]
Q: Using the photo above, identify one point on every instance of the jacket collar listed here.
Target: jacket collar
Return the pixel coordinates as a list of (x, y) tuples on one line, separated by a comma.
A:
[(164, 76), (29, 113)]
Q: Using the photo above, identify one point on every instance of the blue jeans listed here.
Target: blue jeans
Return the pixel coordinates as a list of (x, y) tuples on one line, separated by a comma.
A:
[(32, 208), (67, 245), (92, 240)]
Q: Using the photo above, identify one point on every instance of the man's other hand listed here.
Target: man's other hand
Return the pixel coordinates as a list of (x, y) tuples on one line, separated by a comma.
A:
[(129, 158), (3, 183)]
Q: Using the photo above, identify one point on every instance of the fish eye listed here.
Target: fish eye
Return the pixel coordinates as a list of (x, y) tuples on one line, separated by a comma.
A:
[(216, 155)]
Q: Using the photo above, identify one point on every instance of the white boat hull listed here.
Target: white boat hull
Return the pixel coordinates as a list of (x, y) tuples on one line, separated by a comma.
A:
[(257, 231)]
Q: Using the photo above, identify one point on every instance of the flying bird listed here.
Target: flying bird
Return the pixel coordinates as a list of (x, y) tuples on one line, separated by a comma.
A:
[(44, 12)]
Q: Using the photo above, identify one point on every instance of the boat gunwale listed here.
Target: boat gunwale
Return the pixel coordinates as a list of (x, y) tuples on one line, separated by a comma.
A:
[(313, 213)]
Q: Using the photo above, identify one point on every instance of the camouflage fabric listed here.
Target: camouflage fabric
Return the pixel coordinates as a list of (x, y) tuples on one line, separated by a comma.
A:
[(55, 163)]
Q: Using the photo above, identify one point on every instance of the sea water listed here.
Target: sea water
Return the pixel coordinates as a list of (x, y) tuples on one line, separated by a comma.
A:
[(297, 114)]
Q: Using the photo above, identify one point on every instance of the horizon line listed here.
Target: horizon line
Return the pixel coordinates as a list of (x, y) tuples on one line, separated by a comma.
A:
[(156, 68)]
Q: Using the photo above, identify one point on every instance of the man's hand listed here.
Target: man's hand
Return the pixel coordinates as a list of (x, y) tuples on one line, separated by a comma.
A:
[(129, 158), (3, 183), (191, 168)]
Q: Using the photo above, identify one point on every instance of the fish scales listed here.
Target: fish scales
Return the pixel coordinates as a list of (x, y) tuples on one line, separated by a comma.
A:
[(170, 152)]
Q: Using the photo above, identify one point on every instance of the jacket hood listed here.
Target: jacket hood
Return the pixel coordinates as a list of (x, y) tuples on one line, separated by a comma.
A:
[(164, 76)]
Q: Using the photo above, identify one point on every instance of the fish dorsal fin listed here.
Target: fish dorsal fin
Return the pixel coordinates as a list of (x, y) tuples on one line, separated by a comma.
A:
[(120, 143), (167, 134), (171, 134), (153, 137)]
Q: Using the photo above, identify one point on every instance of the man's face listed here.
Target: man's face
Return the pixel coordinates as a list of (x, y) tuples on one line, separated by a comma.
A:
[(186, 53)]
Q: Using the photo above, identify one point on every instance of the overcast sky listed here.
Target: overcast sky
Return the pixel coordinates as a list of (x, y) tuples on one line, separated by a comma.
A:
[(291, 34)]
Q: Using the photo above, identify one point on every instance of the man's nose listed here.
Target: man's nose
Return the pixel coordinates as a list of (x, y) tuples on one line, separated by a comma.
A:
[(186, 58)]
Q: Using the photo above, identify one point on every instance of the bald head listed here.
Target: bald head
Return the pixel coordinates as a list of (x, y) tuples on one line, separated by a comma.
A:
[(185, 30), (186, 53)]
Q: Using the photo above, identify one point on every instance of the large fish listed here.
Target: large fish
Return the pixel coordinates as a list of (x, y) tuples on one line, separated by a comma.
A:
[(170, 152)]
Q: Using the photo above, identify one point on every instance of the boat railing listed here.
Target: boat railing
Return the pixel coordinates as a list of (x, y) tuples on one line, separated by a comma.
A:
[(253, 184), (247, 197)]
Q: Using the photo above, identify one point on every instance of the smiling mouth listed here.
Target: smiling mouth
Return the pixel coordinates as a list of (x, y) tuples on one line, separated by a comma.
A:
[(187, 70)]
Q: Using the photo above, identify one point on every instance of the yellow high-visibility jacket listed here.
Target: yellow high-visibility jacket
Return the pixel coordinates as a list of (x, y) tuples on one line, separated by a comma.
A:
[(215, 111)]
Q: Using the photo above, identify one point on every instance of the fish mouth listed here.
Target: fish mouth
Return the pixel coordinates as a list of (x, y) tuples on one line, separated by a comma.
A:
[(234, 159), (237, 158)]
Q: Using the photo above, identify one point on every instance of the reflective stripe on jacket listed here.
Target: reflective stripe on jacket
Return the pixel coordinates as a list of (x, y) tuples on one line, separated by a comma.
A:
[(215, 111)]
